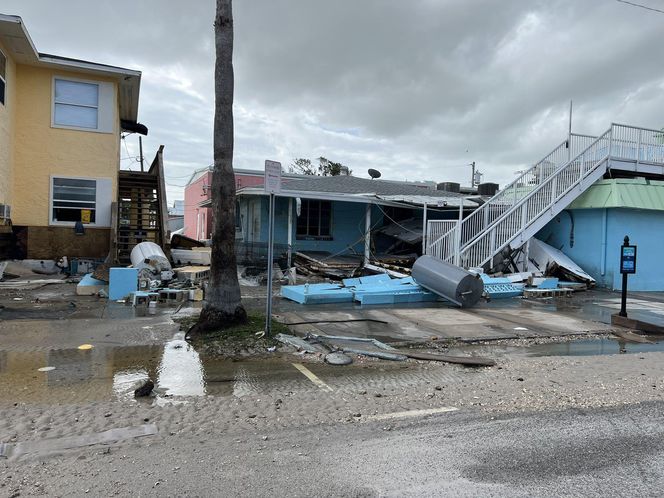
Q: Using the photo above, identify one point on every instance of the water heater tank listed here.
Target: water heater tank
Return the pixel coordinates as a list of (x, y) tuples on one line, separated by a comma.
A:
[(449, 281)]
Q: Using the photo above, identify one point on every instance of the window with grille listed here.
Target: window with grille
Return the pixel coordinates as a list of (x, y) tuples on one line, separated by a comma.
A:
[(74, 199), (315, 220)]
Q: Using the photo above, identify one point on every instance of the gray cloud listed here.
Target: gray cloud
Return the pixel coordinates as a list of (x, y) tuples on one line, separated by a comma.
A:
[(418, 89)]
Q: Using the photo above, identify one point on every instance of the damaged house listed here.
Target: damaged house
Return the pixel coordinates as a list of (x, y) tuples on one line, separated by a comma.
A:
[(61, 123), (355, 220)]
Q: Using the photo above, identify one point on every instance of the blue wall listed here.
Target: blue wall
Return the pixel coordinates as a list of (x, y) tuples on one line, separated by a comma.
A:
[(347, 226), (597, 236)]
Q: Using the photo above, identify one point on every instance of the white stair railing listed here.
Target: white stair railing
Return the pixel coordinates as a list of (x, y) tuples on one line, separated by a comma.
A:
[(538, 202), (444, 235), (478, 221)]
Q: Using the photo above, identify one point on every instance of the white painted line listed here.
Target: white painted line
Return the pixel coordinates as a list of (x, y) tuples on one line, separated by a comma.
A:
[(410, 413), (312, 377)]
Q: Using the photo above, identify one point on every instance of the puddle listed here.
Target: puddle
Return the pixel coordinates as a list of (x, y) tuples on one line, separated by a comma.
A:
[(584, 347), (592, 347), (179, 372)]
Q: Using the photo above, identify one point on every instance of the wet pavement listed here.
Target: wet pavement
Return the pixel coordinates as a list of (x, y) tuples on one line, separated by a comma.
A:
[(41, 330)]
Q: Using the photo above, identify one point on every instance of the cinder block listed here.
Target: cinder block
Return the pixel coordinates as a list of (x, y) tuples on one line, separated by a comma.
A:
[(173, 296), (195, 294), (194, 273)]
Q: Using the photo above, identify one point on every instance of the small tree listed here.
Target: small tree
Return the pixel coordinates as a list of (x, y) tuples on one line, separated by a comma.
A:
[(223, 301), (302, 166), (325, 167)]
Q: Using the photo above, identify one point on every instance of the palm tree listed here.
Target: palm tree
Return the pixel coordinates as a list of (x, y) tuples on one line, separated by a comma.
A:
[(223, 301)]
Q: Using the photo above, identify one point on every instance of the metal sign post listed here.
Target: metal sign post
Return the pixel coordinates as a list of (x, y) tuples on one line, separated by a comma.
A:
[(272, 186), (627, 266)]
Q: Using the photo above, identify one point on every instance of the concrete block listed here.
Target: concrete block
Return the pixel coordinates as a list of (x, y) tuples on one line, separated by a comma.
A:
[(195, 294), (194, 273), (123, 281), (173, 296)]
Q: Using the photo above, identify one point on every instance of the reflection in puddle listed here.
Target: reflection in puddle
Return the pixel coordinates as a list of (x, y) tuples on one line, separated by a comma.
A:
[(180, 372), (104, 373)]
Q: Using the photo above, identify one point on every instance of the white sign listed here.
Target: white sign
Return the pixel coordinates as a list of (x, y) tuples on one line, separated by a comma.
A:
[(272, 177)]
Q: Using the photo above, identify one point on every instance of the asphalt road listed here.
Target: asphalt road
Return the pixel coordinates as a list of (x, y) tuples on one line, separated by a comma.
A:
[(610, 452)]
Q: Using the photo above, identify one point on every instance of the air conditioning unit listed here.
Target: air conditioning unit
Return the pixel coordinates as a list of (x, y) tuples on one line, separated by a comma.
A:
[(5, 211)]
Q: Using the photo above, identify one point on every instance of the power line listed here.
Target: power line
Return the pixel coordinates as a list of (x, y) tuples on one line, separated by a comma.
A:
[(641, 6)]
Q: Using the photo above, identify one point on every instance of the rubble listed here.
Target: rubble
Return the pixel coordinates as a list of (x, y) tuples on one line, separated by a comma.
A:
[(325, 264)]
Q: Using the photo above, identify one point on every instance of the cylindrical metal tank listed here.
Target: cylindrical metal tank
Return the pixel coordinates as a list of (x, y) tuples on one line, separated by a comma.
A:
[(487, 188), (449, 281), (449, 187), (150, 256)]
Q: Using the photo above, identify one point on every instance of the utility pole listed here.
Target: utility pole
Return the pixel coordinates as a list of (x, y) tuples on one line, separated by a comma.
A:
[(140, 148), (472, 177), (569, 134)]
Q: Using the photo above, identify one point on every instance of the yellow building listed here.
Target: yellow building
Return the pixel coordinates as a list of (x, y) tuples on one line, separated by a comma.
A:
[(61, 121)]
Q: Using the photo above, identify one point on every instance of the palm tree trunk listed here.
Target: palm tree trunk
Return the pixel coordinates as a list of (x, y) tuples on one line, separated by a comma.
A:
[(223, 302)]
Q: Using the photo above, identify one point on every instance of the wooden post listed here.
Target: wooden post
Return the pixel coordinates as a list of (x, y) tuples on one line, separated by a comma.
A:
[(290, 232)]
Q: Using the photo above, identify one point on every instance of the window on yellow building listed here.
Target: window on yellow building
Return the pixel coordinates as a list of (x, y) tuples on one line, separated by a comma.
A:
[(76, 104), (3, 77), (73, 199)]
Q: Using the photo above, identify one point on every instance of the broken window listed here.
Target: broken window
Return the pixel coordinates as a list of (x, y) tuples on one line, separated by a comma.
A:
[(3, 77), (76, 104), (73, 199), (315, 220)]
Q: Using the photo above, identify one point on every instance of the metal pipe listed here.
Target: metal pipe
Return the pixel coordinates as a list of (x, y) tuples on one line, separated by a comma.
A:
[(367, 234), (424, 229), (603, 253)]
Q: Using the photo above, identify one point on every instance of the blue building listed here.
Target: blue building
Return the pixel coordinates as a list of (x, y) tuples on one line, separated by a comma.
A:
[(592, 228), (347, 215)]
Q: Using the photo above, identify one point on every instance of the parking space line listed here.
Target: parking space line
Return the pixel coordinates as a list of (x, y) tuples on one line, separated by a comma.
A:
[(409, 413), (312, 377)]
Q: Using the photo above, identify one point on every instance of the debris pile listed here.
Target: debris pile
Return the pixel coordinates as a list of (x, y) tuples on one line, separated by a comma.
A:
[(325, 264), (338, 348)]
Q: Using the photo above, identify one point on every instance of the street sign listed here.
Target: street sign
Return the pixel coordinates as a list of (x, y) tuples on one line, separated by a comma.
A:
[(628, 259), (272, 177), (272, 186), (627, 266)]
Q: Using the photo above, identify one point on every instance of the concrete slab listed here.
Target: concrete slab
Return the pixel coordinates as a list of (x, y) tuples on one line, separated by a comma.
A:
[(513, 318)]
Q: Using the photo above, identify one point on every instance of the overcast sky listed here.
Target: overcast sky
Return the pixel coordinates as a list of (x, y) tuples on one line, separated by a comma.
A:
[(416, 89)]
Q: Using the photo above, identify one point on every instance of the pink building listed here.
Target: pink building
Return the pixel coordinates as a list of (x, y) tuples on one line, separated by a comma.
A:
[(198, 219)]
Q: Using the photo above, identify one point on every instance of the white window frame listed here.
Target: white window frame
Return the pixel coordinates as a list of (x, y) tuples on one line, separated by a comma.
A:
[(106, 105), (102, 204), (3, 77)]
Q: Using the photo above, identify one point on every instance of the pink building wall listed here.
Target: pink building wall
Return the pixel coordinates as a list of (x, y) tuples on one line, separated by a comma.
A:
[(198, 220)]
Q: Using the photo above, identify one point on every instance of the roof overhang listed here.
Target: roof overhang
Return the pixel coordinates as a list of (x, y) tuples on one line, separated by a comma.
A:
[(367, 198), (16, 38)]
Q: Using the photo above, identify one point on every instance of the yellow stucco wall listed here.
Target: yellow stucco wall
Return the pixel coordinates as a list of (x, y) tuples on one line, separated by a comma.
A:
[(7, 113), (41, 151)]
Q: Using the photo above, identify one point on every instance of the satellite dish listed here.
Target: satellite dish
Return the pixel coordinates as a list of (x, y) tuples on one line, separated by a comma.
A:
[(374, 173)]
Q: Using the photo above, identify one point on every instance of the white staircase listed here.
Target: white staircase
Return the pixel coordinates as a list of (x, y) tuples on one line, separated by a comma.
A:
[(525, 206)]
